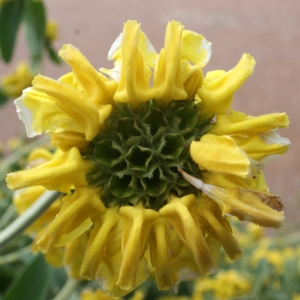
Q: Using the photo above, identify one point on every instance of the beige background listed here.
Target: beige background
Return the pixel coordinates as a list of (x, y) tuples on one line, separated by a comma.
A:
[(269, 30)]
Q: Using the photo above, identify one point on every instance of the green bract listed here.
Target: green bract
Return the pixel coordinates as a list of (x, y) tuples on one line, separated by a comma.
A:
[(138, 155)]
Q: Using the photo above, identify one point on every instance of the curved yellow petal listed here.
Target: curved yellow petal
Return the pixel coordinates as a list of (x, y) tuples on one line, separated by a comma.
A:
[(195, 48), (255, 206), (40, 154), (99, 89), (66, 238), (168, 83), (76, 209), (134, 85), (220, 154), (109, 267), (181, 214), (55, 257), (61, 173), (240, 123), (96, 295), (218, 226), (66, 140), (95, 249), (73, 103), (261, 146), (74, 254), (137, 225), (24, 198), (255, 181), (194, 80), (160, 255), (219, 87), (39, 113)]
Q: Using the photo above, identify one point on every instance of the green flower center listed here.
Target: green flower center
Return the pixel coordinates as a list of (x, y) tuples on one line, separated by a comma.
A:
[(138, 155)]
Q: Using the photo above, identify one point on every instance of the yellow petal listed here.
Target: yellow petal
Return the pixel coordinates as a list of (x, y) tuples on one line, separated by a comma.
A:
[(61, 173), (76, 208), (194, 80), (74, 254), (255, 181), (219, 87), (39, 154), (180, 213), (69, 237), (99, 89), (96, 295), (66, 140), (260, 146), (195, 48), (39, 113), (24, 198), (218, 226), (160, 255), (220, 154), (137, 224), (168, 84), (172, 260), (255, 206), (108, 271), (240, 123), (97, 242), (73, 103), (55, 257), (135, 71)]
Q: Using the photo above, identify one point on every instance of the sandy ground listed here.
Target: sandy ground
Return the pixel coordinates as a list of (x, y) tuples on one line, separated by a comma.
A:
[(269, 30)]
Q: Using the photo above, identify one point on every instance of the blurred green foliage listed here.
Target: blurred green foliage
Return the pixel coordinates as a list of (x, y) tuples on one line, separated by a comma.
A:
[(32, 14)]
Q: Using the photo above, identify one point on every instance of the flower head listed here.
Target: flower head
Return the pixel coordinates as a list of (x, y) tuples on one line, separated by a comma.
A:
[(51, 30), (19, 79), (149, 176)]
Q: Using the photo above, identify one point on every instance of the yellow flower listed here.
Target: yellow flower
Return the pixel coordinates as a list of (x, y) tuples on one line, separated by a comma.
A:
[(296, 296), (51, 30), (19, 79), (272, 256), (95, 295), (98, 294), (226, 285), (149, 177)]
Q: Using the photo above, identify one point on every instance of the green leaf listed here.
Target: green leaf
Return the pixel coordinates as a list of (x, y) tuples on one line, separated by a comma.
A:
[(35, 23), (10, 18), (53, 55), (31, 282), (3, 97)]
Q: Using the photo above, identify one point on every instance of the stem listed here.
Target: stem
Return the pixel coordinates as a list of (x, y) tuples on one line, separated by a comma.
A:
[(28, 217), (10, 211), (67, 289), (14, 255), (15, 156)]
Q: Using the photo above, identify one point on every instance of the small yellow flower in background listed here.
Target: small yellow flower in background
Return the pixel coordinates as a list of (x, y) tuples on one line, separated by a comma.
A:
[(149, 176), (275, 257), (96, 295), (296, 297), (18, 80), (226, 285), (14, 143), (100, 295), (52, 30)]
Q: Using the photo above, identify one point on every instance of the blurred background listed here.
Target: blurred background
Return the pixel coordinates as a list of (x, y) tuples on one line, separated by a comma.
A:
[(269, 30)]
